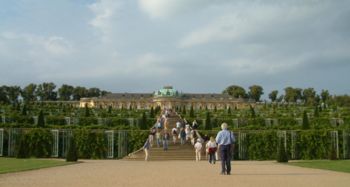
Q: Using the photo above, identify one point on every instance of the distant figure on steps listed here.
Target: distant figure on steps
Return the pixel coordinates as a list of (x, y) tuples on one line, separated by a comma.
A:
[(174, 134), (146, 148)]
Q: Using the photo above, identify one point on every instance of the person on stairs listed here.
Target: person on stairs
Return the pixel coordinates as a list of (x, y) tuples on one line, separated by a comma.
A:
[(174, 134), (146, 148), (166, 137)]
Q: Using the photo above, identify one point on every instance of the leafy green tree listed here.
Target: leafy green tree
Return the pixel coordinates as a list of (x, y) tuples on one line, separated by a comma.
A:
[(309, 95), (46, 91), (13, 93), (41, 120), (65, 92), (292, 94), (79, 92), (229, 111), (94, 92), (306, 124), (3, 95), (255, 92), (184, 110), (29, 93), (273, 95), (235, 91), (325, 95)]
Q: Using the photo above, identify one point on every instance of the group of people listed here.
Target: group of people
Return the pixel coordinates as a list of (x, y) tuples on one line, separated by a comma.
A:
[(223, 144)]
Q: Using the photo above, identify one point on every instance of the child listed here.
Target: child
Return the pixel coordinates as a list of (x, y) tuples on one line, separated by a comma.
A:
[(198, 149), (212, 147)]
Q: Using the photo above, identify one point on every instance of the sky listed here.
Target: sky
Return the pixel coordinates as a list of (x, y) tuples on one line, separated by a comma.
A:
[(198, 46)]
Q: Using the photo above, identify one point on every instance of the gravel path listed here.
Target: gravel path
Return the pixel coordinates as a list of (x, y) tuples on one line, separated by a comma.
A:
[(105, 173)]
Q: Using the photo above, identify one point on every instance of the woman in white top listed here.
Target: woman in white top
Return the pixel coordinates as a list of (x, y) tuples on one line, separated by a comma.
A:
[(211, 147)]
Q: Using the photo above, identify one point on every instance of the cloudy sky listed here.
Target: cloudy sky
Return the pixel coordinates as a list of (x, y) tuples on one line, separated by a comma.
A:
[(194, 45)]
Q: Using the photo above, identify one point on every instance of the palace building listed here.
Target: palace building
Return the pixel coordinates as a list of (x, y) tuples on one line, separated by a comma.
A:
[(167, 97)]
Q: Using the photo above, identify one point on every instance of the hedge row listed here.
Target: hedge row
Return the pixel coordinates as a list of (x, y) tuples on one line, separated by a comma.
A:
[(257, 145)]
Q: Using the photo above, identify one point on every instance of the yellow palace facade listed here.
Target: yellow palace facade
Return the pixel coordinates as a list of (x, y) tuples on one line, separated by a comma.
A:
[(166, 98)]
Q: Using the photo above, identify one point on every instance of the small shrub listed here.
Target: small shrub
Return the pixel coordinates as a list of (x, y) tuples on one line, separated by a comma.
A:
[(72, 153), (282, 155)]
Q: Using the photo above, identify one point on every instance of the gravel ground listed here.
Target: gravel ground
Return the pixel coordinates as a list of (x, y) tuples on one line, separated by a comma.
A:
[(105, 173)]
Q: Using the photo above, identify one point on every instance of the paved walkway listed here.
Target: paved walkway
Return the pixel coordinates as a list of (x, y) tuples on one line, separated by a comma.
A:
[(105, 173)]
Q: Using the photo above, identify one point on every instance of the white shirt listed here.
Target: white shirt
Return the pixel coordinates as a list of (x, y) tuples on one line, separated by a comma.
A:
[(198, 146), (174, 129), (211, 144)]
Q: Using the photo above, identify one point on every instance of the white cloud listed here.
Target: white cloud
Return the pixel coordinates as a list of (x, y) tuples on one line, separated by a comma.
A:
[(149, 64), (44, 46), (243, 21), (104, 11), (168, 8)]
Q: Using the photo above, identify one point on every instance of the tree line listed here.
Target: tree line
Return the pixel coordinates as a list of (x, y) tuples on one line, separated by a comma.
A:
[(308, 95), (46, 91)]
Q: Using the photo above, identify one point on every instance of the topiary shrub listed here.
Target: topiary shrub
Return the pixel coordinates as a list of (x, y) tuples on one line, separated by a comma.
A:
[(282, 155), (72, 153), (23, 151), (40, 142)]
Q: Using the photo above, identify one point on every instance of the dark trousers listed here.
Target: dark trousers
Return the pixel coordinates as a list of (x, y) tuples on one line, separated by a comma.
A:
[(212, 157), (225, 154)]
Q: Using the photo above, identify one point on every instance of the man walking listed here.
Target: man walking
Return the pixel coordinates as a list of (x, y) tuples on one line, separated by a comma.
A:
[(225, 140)]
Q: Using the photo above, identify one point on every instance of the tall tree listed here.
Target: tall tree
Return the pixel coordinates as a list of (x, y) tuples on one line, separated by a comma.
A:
[(13, 93), (29, 93), (292, 94), (309, 95), (255, 92), (273, 95), (3, 95), (235, 91), (79, 92), (65, 92), (94, 92), (324, 95), (46, 91)]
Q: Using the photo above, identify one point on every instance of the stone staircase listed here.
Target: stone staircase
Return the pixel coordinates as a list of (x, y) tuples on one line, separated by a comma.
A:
[(174, 152)]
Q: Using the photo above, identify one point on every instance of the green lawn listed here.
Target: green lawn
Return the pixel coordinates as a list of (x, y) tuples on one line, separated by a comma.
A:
[(334, 165), (8, 165)]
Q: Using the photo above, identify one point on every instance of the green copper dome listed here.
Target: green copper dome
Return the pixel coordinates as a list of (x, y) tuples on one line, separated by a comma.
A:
[(166, 91)]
